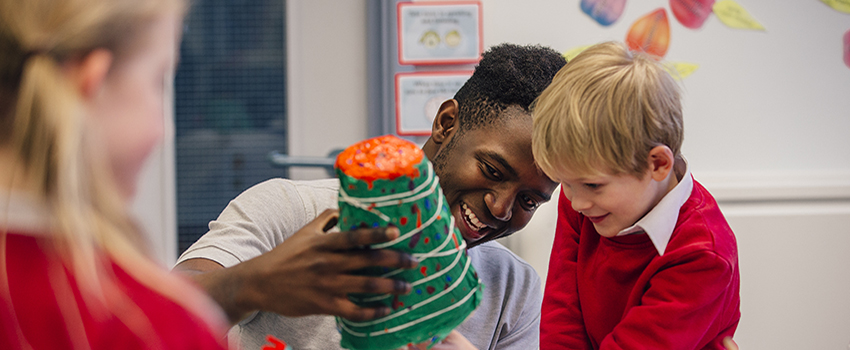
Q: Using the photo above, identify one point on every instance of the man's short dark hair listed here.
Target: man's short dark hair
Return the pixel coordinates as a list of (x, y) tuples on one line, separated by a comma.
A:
[(507, 75)]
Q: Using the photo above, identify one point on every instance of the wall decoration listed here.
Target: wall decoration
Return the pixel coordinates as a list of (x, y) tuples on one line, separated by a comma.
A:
[(572, 53), (691, 13), (439, 32), (847, 48), (681, 70), (839, 5), (650, 33), (418, 98), (605, 12), (735, 16)]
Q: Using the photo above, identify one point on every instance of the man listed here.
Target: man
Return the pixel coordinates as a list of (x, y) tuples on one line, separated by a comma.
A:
[(254, 260)]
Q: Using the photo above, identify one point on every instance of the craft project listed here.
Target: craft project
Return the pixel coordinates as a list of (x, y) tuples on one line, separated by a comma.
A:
[(650, 33), (605, 12), (691, 13), (389, 181), (275, 344)]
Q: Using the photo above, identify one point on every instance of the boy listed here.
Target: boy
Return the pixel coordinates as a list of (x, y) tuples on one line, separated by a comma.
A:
[(643, 257)]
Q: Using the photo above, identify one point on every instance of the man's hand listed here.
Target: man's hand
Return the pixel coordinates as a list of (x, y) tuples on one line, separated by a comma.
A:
[(455, 341), (307, 274)]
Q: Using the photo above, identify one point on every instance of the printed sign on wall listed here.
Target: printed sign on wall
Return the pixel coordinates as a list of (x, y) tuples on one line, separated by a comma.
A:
[(419, 96), (439, 33)]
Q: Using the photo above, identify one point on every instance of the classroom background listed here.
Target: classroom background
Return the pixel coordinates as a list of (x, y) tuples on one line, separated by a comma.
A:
[(767, 114)]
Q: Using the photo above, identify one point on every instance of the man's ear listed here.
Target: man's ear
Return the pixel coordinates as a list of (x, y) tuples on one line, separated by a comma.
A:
[(661, 161), (88, 73), (445, 123)]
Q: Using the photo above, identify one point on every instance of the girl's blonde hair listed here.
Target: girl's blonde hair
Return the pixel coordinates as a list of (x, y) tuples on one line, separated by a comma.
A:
[(42, 124), (603, 113)]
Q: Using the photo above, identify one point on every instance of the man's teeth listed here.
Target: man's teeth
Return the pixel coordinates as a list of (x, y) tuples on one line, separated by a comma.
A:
[(472, 219)]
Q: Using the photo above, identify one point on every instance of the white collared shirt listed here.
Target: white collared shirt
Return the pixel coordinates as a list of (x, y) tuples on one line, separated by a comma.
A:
[(659, 222)]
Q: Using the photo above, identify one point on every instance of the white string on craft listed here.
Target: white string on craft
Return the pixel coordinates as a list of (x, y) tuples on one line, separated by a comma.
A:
[(408, 324), (457, 251), (388, 197), (361, 202), (418, 229), (454, 285)]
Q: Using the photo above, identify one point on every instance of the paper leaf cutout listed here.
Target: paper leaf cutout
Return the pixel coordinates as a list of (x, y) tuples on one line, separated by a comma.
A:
[(691, 13), (735, 16), (847, 48), (839, 5), (681, 70), (650, 33), (572, 53), (603, 11)]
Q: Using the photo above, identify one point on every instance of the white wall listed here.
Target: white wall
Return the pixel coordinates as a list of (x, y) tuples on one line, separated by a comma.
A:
[(326, 53)]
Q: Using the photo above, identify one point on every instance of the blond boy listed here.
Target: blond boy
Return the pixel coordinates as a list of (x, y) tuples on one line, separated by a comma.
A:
[(643, 257)]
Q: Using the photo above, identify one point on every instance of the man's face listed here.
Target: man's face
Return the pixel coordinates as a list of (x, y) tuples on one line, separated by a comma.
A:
[(489, 178)]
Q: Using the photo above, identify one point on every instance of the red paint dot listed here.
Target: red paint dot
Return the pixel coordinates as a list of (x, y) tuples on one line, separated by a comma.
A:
[(424, 271), (403, 220), (426, 240)]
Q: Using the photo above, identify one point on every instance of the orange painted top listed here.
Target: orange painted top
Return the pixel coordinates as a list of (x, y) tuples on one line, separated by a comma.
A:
[(382, 157)]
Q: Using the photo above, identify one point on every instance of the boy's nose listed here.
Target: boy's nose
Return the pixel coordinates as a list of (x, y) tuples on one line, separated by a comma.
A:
[(500, 206), (579, 204)]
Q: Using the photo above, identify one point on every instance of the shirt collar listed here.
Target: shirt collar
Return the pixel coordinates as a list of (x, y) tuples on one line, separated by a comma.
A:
[(661, 220)]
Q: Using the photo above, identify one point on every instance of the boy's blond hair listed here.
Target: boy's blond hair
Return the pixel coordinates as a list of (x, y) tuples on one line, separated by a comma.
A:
[(603, 113)]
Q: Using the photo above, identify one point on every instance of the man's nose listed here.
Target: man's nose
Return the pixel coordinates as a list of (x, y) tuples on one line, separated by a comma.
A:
[(500, 205)]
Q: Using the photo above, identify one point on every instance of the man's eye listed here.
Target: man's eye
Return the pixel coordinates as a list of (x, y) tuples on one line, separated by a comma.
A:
[(528, 202), (492, 172)]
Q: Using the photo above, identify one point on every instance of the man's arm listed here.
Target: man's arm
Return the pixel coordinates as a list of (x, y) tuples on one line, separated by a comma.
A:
[(269, 250), (561, 324)]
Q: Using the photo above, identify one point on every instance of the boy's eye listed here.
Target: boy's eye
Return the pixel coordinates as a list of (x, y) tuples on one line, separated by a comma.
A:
[(592, 186)]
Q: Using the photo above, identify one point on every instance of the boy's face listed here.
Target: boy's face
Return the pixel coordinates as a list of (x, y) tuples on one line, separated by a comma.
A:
[(490, 180), (611, 202)]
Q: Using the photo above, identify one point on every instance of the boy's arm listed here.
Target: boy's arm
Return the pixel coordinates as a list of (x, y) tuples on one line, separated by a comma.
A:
[(562, 324), (676, 312)]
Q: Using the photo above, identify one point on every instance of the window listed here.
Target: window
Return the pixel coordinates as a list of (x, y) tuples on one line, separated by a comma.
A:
[(230, 106)]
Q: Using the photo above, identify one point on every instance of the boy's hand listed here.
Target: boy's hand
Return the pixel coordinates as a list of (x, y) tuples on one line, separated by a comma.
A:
[(729, 344), (455, 341)]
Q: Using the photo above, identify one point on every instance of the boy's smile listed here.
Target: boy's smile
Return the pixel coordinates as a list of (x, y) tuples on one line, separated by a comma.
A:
[(611, 202)]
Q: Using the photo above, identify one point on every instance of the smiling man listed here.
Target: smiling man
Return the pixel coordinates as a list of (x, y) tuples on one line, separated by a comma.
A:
[(481, 148)]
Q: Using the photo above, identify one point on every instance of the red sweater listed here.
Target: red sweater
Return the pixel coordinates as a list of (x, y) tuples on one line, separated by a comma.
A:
[(618, 293), (38, 284)]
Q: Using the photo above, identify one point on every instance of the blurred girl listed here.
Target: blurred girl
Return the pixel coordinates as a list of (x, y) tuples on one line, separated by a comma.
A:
[(81, 106)]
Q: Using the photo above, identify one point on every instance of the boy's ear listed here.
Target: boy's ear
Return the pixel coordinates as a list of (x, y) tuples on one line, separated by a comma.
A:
[(445, 123), (661, 161), (88, 73)]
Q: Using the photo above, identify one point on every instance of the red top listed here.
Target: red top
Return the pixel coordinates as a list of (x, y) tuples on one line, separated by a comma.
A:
[(382, 157), (615, 293), (47, 308)]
